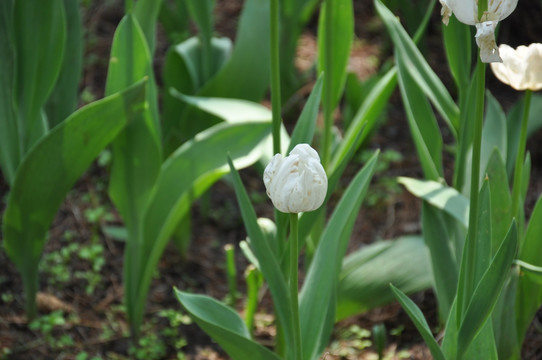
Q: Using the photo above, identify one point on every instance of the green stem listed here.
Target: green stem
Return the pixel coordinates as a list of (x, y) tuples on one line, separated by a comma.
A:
[(30, 285), (482, 7), (469, 251), (518, 170), (232, 272), (275, 75), (328, 81), (294, 283)]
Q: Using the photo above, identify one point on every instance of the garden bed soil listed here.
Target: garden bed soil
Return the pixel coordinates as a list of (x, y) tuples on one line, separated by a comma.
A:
[(94, 323)]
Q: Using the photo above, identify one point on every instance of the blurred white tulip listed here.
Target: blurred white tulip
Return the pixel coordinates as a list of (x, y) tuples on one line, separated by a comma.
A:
[(521, 67), (298, 182), (466, 11)]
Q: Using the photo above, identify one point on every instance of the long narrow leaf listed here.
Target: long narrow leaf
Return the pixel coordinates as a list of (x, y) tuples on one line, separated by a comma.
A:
[(10, 155), (419, 321), (321, 282), (225, 326), (63, 99), (306, 124), (269, 264), (487, 292), (39, 57), (418, 68)]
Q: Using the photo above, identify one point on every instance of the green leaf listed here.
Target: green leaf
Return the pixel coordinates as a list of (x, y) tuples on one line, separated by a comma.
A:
[(501, 200), (319, 289), (529, 295), (335, 34), (419, 321), (268, 262), (184, 176), (419, 70), (146, 13), (136, 153), (440, 196), (183, 72), (495, 133), (10, 155), (403, 262), (445, 267), (487, 292), (365, 120), (51, 168), (422, 122), (40, 35), (225, 326), (457, 43), (306, 124), (246, 75)]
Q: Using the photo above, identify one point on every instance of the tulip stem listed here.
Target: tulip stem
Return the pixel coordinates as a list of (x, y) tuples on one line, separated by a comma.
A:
[(294, 283), (275, 75), (520, 159), (328, 84)]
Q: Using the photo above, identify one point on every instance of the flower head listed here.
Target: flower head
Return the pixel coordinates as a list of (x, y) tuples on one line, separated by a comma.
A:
[(521, 67), (298, 182), (466, 11)]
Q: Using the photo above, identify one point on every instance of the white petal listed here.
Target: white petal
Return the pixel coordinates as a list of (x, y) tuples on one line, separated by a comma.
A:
[(521, 68), (485, 39), (298, 182), (445, 12)]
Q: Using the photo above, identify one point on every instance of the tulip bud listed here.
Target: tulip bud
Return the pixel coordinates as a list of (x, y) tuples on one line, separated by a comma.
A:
[(298, 182)]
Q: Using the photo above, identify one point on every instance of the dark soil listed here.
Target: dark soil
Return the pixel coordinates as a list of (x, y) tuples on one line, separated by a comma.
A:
[(95, 321)]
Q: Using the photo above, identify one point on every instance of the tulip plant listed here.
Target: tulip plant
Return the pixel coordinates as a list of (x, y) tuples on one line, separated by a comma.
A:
[(475, 229)]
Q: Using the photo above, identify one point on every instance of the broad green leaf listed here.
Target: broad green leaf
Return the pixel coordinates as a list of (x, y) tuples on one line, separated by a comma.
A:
[(10, 155), (146, 13), (418, 68), (366, 274), (229, 110), (136, 152), (40, 36), (365, 120), (529, 295), (444, 265), (51, 168), (335, 35), (63, 99), (225, 326), (306, 124), (419, 321), (487, 292), (320, 285), (422, 122), (184, 176), (440, 196), (269, 263), (183, 72), (246, 75)]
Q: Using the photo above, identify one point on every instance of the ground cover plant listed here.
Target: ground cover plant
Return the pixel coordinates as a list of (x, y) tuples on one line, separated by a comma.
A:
[(131, 230)]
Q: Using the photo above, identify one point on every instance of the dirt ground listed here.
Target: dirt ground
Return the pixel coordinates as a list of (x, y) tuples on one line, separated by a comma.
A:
[(89, 291)]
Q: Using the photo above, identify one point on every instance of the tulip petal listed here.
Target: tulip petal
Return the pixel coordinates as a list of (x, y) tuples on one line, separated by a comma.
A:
[(485, 38)]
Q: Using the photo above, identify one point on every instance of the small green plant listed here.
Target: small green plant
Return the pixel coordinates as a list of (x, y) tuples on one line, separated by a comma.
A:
[(350, 342), (46, 325)]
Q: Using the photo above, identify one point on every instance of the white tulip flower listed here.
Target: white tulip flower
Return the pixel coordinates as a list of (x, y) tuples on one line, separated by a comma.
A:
[(298, 182), (521, 67), (466, 11)]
